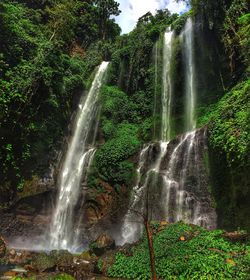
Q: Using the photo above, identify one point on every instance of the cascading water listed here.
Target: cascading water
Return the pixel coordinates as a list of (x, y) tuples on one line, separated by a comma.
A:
[(173, 170), (132, 225), (182, 175), (187, 37), (177, 187), (75, 167), (185, 182)]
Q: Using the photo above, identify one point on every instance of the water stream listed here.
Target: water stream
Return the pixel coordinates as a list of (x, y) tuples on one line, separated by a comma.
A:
[(77, 161)]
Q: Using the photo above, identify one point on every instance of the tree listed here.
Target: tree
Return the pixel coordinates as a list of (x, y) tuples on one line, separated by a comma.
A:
[(62, 20), (105, 9)]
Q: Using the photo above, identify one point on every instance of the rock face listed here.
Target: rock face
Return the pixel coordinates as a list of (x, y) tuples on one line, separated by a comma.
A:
[(181, 189), (172, 185), (100, 211), (98, 205), (29, 213)]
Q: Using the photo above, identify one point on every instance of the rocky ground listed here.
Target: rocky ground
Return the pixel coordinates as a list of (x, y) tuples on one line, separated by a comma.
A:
[(95, 263), (54, 264)]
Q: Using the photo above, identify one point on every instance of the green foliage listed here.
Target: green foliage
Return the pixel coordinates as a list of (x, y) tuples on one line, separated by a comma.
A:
[(18, 32), (228, 123), (111, 157), (118, 106), (48, 51), (236, 32), (124, 123), (179, 23), (202, 255), (62, 277), (244, 34)]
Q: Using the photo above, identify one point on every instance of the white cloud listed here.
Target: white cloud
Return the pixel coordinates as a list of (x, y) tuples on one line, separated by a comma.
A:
[(174, 7), (133, 9)]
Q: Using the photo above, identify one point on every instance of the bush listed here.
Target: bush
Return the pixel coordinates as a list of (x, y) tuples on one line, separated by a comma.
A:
[(110, 157), (228, 123)]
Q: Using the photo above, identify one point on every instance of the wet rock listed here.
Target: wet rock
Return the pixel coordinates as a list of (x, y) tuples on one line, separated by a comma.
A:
[(11, 274), (30, 209), (76, 271), (27, 219), (43, 262), (15, 272), (36, 186), (19, 257), (236, 236), (98, 205), (102, 244), (81, 267), (62, 257), (86, 256)]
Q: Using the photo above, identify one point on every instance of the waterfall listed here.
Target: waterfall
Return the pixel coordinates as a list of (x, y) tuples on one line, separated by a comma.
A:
[(185, 182), (167, 87), (133, 221), (173, 171), (75, 167), (156, 70), (187, 37), (132, 226), (185, 196)]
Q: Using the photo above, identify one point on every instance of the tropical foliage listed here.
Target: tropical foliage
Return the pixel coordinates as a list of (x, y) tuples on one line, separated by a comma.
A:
[(184, 252)]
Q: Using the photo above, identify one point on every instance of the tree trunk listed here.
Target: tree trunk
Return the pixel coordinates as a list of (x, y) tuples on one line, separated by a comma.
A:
[(151, 249)]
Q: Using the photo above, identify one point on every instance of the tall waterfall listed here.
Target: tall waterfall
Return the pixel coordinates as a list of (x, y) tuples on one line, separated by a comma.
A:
[(156, 77), (167, 87), (173, 171), (74, 169), (187, 37), (132, 226), (184, 177)]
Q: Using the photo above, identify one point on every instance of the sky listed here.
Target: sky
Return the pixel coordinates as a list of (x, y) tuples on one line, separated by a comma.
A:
[(133, 9)]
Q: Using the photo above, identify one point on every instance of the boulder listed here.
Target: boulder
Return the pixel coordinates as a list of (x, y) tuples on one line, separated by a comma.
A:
[(62, 257), (43, 262), (102, 244)]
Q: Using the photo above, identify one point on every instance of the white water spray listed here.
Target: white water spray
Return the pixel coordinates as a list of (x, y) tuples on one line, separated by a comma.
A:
[(75, 167)]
